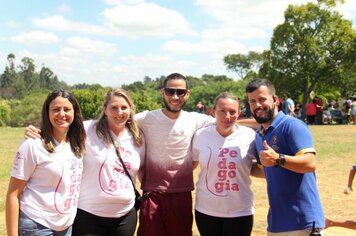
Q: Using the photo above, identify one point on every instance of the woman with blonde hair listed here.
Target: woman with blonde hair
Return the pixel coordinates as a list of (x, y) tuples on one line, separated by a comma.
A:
[(107, 197)]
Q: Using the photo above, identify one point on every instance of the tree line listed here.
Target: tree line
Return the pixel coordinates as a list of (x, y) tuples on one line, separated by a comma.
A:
[(313, 52)]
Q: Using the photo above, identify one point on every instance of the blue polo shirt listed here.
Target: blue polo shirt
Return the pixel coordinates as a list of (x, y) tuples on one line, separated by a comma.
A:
[(293, 198)]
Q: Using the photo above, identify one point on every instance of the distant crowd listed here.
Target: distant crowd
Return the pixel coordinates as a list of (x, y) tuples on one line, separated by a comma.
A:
[(316, 111)]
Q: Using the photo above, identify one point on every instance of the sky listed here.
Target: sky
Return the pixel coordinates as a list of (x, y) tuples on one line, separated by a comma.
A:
[(115, 42)]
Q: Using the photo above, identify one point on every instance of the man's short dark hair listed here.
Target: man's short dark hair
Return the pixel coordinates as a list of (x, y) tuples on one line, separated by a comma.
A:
[(256, 83), (175, 76)]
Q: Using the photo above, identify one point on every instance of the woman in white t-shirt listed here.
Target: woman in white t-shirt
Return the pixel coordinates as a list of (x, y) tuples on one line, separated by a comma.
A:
[(224, 152), (44, 185), (107, 197)]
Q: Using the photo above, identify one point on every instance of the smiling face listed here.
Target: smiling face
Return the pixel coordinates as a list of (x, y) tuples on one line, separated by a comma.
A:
[(263, 105), (61, 114), (226, 113), (118, 112), (174, 97)]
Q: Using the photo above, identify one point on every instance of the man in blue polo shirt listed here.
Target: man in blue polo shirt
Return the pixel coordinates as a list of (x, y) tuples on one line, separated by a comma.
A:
[(284, 146)]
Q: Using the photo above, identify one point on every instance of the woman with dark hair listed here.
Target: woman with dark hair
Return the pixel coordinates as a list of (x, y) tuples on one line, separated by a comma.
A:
[(107, 197), (44, 185)]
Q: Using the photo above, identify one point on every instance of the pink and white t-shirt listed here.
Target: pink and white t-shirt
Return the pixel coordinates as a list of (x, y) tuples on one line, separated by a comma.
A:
[(106, 190), (168, 162), (53, 182), (223, 188)]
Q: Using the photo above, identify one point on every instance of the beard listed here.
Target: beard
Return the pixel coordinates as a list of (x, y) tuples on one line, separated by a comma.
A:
[(265, 118), (166, 105)]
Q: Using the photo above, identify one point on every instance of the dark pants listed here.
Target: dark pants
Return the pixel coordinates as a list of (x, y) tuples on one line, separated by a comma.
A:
[(319, 118), (86, 224), (311, 120), (213, 226)]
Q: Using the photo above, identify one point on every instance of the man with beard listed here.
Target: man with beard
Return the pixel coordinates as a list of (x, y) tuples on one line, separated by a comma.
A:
[(285, 149), (168, 170)]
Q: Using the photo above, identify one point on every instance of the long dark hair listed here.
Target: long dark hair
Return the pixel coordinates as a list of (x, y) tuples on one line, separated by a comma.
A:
[(76, 132)]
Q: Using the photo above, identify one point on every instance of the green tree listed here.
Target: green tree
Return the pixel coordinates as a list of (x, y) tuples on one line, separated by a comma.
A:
[(28, 73), (8, 79), (311, 50), (27, 110), (147, 80), (90, 101), (145, 100), (49, 80), (135, 86), (244, 64), (207, 93), (5, 112)]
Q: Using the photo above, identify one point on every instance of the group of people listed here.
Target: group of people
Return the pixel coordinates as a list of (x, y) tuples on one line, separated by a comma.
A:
[(68, 177)]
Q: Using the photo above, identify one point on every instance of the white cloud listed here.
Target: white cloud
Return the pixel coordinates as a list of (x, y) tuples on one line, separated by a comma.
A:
[(74, 68), (184, 47), (64, 8), (118, 2), (59, 23), (239, 26), (146, 19), (12, 24), (131, 21), (86, 45), (242, 26), (36, 37), (348, 10)]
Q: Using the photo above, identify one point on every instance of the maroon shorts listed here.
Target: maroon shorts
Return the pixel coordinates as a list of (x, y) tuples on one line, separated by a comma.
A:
[(163, 214)]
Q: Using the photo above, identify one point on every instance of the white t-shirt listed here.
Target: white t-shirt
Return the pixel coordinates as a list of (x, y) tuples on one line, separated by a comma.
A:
[(53, 180), (223, 188), (106, 190), (168, 163)]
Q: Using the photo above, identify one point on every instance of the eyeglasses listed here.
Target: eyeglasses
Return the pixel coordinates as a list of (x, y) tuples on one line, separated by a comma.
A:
[(171, 92)]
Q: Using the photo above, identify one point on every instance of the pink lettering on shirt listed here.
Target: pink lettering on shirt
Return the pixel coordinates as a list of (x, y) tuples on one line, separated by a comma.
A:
[(66, 198), (226, 175)]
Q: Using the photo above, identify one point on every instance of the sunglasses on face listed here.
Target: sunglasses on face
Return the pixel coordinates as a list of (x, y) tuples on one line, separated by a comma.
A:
[(171, 92)]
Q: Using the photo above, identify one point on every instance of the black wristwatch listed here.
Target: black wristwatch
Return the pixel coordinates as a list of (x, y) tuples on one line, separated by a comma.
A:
[(281, 160)]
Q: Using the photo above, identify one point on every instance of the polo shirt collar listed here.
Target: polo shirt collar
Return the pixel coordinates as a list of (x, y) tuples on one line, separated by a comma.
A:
[(276, 121)]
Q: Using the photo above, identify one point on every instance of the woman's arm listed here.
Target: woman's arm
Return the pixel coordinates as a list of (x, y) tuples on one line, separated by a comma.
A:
[(345, 223), (15, 188)]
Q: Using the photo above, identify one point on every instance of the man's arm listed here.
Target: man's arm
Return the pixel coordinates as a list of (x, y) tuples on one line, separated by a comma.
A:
[(32, 132), (195, 164), (249, 122), (257, 170), (300, 163)]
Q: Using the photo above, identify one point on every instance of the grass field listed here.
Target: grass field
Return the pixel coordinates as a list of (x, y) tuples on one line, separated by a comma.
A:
[(336, 147)]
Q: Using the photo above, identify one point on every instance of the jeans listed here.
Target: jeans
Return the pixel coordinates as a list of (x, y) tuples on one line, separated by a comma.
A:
[(29, 227)]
